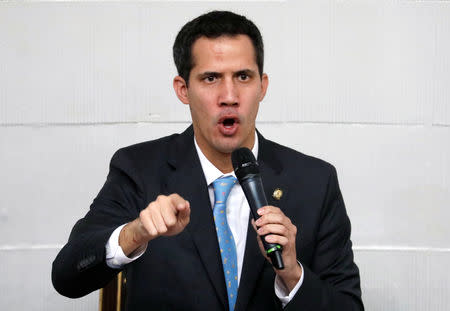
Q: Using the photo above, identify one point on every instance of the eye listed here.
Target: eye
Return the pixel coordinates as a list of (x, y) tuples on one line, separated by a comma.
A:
[(210, 78), (243, 77)]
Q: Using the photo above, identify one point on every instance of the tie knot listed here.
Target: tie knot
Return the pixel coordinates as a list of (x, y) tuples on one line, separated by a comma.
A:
[(222, 187)]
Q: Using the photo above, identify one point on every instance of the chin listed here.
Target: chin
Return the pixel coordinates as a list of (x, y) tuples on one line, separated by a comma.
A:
[(228, 147)]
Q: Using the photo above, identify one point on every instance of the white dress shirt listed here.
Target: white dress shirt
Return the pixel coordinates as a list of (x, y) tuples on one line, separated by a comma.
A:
[(238, 212)]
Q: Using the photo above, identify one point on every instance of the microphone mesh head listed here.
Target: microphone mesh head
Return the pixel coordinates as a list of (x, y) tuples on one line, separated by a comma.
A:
[(244, 163)]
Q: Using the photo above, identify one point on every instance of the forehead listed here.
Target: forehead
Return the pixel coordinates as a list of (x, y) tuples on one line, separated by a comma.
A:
[(223, 51)]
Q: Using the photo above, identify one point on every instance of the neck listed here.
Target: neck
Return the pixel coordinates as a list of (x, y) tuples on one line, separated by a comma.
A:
[(223, 163), (221, 160)]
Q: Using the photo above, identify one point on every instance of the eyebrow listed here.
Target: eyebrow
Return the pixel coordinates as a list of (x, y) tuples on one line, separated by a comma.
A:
[(205, 74), (248, 72), (208, 73)]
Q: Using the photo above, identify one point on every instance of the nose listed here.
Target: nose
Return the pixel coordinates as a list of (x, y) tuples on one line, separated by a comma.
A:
[(229, 94)]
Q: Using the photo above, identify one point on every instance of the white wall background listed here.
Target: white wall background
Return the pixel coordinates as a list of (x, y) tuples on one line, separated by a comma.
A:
[(363, 84)]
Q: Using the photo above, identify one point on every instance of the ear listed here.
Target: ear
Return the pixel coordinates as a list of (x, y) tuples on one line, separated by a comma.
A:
[(264, 85), (181, 89)]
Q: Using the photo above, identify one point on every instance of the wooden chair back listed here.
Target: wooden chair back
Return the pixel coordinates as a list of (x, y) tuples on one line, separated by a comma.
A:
[(112, 296)]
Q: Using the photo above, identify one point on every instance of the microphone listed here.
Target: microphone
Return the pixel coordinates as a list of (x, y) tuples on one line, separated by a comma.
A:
[(247, 172)]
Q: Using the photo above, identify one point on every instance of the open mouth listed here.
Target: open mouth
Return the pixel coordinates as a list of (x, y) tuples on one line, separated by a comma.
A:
[(228, 122), (228, 125)]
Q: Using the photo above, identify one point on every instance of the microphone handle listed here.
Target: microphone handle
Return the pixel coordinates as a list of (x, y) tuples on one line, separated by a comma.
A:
[(253, 190)]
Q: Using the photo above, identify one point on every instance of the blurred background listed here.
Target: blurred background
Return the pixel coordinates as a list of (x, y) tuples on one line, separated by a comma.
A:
[(363, 84)]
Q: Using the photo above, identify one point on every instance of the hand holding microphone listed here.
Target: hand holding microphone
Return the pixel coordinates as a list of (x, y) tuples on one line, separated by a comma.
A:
[(277, 232), (247, 172)]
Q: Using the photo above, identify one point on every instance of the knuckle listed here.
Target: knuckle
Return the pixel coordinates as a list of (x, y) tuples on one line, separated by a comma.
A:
[(144, 214), (162, 229), (171, 222), (160, 197), (174, 196), (152, 231), (152, 205)]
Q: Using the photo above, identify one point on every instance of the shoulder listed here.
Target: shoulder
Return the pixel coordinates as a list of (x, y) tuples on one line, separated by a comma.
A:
[(145, 154), (292, 160), (148, 147)]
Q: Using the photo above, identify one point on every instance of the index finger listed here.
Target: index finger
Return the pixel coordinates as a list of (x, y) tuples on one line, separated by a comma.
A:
[(269, 209), (177, 201)]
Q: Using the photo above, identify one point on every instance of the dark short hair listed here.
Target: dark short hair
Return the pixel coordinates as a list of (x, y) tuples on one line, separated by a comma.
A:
[(213, 25)]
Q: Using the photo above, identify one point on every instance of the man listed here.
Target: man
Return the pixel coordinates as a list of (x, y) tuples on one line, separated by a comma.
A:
[(156, 217)]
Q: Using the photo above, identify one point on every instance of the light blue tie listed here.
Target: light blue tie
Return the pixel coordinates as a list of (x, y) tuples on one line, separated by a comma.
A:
[(222, 187)]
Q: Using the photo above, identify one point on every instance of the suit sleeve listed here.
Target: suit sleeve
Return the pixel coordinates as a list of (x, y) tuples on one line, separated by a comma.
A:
[(80, 267), (331, 282)]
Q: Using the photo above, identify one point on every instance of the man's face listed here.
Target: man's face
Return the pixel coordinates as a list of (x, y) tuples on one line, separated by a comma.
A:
[(224, 92)]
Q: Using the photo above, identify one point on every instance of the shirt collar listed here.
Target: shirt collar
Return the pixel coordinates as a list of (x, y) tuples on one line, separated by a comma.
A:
[(210, 171)]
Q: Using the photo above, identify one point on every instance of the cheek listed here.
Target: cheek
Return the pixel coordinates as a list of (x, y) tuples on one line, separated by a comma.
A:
[(202, 111), (202, 102), (253, 107)]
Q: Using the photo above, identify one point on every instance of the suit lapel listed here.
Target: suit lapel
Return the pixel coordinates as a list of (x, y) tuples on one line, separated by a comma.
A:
[(270, 168), (187, 179)]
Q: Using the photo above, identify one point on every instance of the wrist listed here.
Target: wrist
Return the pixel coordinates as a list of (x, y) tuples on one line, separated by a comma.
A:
[(290, 277), (139, 233), (132, 237)]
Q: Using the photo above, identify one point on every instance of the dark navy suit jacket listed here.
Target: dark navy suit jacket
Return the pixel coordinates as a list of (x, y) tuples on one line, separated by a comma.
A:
[(184, 272)]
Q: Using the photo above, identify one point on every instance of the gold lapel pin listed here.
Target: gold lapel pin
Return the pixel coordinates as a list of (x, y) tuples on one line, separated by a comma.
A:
[(277, 194)]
